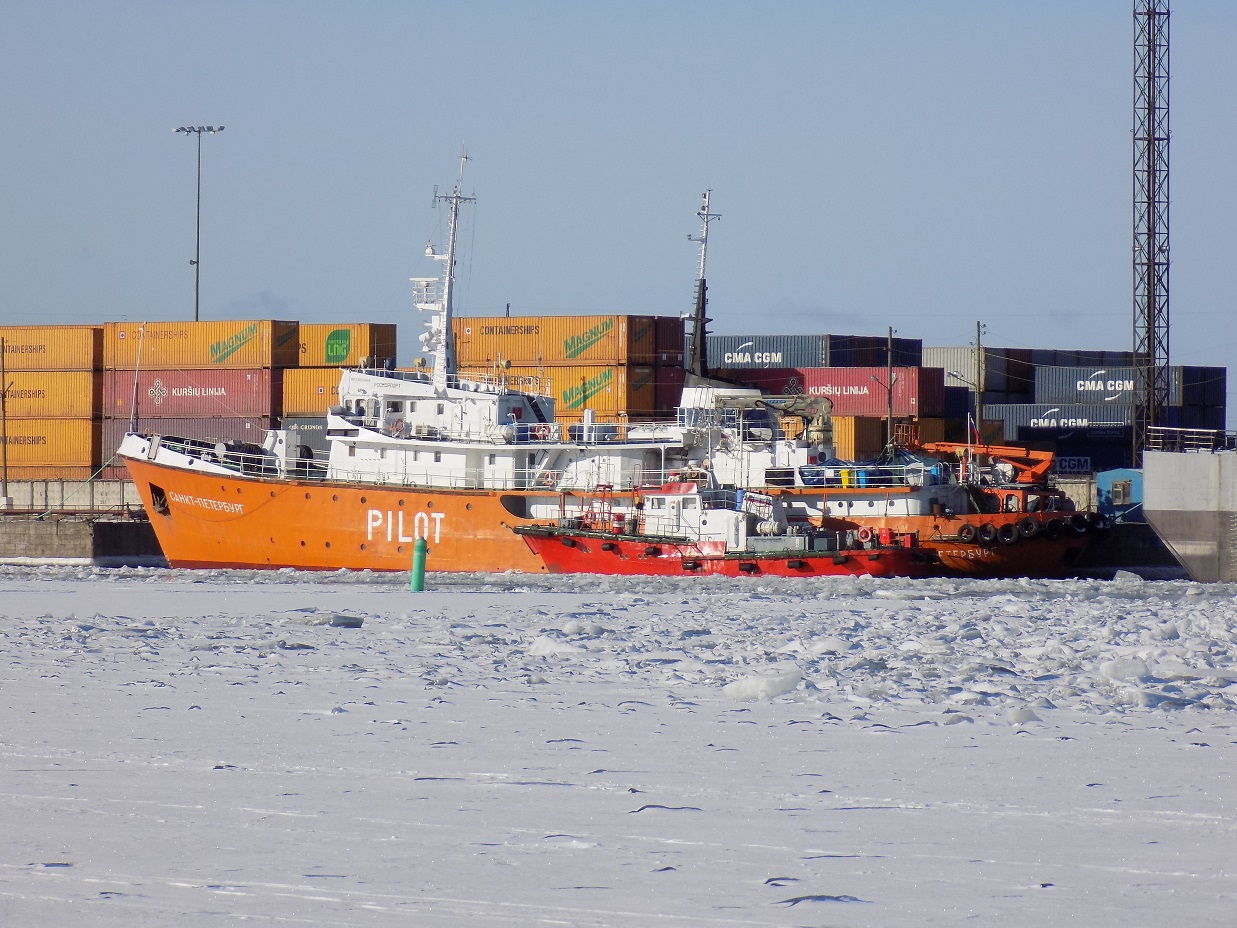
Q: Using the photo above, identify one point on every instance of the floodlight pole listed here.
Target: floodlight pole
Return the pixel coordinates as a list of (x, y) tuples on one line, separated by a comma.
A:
[(197, 241)]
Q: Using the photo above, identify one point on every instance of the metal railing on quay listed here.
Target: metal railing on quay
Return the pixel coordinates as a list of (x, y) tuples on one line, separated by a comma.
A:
[(1162, 438)]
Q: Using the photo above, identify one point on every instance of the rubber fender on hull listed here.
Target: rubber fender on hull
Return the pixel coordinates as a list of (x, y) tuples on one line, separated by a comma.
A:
[(1028, 527), (987, 533), (966, 533), (1053, 528), (1007, 534), (1078, 523)]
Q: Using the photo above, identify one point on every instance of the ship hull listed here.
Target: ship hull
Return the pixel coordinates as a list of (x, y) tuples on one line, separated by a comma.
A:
[(1049, 552), (218, 521), (572, 552)]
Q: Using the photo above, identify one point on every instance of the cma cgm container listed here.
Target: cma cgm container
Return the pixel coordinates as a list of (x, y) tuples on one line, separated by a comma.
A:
[(181, 394), (757, 351), (54, 394), (1057, 421), (51, 443), (1097, 385), (171, 345), (606, 390), (346, 345), (310, 391), (856, 391), (555, 340), (52, 347)]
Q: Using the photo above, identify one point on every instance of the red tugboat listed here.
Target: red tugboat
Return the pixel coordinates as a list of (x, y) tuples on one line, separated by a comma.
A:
[(681, 529)]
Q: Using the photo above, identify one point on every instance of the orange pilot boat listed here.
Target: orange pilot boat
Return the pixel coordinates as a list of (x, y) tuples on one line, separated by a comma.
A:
[(461, 462)]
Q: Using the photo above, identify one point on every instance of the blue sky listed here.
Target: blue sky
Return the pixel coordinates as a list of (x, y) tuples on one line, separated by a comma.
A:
[(921, 165)]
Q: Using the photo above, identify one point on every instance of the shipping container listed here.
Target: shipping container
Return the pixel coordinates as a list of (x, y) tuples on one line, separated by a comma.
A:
[(990, 432), (191, 394), (56, 394), (1057, 421), (482, 341), (307, 430), (54, 472), (173, 345), (605, 389), (858, 438), (1081, 453), (347, 344), (670, 340), (52, 347), (930, 429), (854, 391), (667, 388), (873, 351), (959, 402), (224, 428), (757, 351), (1097, 385), (46, 442), (310, 391)]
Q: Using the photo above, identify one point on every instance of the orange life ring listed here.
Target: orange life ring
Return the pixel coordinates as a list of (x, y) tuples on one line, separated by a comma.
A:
[(865, 535), (397, 427), (541, 432)]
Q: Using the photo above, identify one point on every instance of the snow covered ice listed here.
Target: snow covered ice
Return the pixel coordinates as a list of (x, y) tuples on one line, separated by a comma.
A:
[(218, 748)]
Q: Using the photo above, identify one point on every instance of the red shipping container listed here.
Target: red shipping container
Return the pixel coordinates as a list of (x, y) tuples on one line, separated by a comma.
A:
[(856, 391), (667, 389), (192, 394)]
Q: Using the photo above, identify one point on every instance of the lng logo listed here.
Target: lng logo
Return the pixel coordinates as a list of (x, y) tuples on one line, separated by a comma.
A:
[(158, 392), (575, 397), (223, 349), (578, 344), (338, 346)]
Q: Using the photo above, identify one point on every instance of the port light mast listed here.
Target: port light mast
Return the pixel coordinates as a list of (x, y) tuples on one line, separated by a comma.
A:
[(1151, 255)]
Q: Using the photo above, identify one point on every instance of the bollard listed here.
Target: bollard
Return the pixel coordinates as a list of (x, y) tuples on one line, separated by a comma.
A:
[(417, 580)]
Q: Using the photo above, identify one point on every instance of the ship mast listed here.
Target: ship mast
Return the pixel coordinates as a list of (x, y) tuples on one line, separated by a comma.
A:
[(434, 295), (698, 362)]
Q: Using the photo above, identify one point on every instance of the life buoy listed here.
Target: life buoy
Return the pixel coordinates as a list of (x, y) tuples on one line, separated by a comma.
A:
[(549, 479), (541, 432), (987, 533), (1078, 524), (1052, 528), (966, 533), (865, 535), (397, 427), (1028, 527), (1007, 534)]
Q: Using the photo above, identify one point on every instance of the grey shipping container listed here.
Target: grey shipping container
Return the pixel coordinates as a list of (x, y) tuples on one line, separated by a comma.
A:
[(735, 351), (306, 430), (1097, 385), (1060, 420)]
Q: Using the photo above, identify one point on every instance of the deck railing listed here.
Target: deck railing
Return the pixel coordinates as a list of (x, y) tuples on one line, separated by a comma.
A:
[(1161, 438)]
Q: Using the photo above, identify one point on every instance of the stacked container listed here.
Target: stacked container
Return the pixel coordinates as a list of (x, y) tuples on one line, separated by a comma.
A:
[(52, 422), (609, 365), (734, 352), (310, 389), (855, 391), (206, 380)]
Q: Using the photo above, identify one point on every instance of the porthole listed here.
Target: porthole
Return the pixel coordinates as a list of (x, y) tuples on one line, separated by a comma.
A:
[(328, 544), (302, 542), (362, 546), (399, 550), (334, 497), (362, 499), (468, 506), (307, 496), (401, 504), (429, 505)]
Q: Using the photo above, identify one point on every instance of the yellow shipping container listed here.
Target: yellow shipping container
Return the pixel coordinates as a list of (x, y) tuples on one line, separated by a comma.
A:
[(50, 473), (930, 429), (345, 345), (55, 394), (555, 340), (52, 347), (858, 438), (53, 442), (605, 389), (308, 391), (180, 345)]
